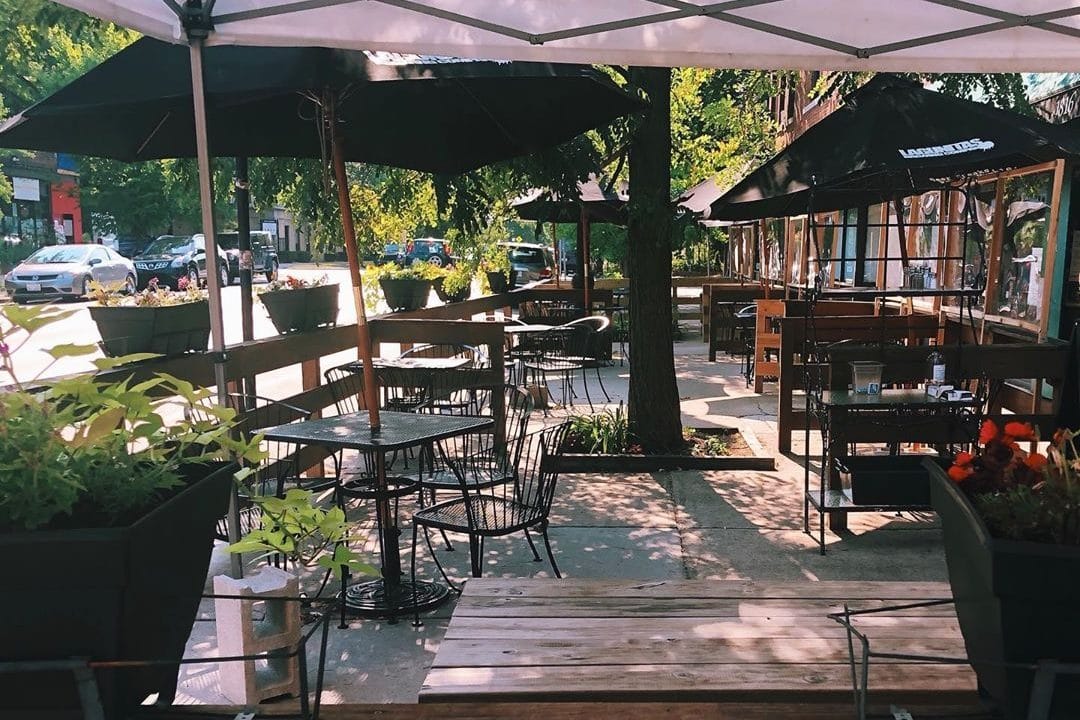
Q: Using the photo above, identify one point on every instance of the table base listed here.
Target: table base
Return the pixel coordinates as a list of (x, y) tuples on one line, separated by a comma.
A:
[(370, 597)]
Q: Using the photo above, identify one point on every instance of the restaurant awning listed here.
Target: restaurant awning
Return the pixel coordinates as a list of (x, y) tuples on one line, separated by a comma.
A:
[(889, 138)]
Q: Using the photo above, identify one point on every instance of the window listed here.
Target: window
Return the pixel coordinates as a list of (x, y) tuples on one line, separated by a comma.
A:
[(1019, 289), (849, 232)]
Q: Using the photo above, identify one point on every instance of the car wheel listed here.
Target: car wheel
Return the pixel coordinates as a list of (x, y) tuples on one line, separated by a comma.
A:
[(21, 301), (130, 285), (435, 260), (271, 274), (193, 275)]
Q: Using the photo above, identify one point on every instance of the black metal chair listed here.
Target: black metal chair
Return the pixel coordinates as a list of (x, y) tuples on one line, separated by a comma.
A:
[(400, 387), (278, 468), (496, 510), (561, 351), (597, 347)]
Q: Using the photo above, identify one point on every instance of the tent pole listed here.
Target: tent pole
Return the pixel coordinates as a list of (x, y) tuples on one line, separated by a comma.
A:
[(363, 335), (213, 287), (243, 245), (586, 257)]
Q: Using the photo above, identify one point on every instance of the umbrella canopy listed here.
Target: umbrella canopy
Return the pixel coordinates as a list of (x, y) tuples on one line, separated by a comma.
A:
[(425, 113), (891, 137), (601, 205), (923, 35)]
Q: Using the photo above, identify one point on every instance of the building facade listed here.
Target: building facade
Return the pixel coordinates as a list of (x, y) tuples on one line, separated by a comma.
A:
[(44, 207)]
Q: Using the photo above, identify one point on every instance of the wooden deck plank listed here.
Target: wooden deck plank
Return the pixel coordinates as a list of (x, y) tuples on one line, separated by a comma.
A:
[(635, 651), (718, 589), (646, 607), (548, 711), (574, 640), (515, 628), (779, 682)]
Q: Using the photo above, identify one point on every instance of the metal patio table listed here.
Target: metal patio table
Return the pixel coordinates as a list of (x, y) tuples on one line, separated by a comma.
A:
[(389, 595)]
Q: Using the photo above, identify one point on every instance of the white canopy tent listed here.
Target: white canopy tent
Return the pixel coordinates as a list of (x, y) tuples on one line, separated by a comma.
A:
[(910, 35)]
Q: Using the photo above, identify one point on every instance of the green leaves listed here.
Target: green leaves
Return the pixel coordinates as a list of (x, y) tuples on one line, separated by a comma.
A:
[(32, 318), (304, 533), (112, 362), (71, 350)]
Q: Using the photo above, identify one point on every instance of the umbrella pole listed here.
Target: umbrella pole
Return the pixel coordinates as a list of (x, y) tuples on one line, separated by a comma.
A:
[(243, 245), (558, 266), (363, 335), (586, 269), (213, 288)]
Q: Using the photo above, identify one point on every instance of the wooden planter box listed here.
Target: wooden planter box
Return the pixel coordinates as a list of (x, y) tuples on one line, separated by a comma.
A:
[(303, 309), (498, 282), (1016, 602), (170, 330), (405, 294), (129, 592), (459, 296), (597, 462)]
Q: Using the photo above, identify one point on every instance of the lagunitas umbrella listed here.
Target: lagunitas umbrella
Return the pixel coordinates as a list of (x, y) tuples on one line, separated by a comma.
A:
[(426, 113), (890, 138)]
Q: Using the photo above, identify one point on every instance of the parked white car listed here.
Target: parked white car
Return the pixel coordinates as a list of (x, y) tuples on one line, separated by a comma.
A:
[(65, 271)]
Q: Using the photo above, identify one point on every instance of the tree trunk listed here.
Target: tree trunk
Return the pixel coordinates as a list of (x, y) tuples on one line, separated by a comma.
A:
[(654, 394)]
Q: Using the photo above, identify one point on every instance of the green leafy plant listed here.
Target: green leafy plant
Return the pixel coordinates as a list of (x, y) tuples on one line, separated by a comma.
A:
[(457, 279), (154, 295), (79, 452), (606, 432), (291, 282), (496, 258), (296, 528), (415, 271), (1023, 495)]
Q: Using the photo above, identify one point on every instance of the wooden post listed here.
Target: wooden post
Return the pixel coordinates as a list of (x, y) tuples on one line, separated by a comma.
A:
[(363, 336)]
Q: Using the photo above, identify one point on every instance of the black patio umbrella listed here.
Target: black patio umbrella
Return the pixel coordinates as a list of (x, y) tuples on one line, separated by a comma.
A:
[(594, 202), (890, 138), (433, 114)]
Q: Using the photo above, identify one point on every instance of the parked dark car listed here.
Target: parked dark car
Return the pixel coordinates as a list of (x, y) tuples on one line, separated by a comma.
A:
[(390, 253), (430, 250), (264, 256), (127, 245), (529, 262), (171, 257)]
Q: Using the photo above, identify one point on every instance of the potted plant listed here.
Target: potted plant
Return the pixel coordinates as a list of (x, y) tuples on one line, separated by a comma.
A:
[(295, 528), (106, 524), (455, 283), (496, 268), (157, 320), (1011, 523), (406, 288), (297, 305)]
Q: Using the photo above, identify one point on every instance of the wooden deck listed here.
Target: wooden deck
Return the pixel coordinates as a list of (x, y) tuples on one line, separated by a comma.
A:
[(513, 640)]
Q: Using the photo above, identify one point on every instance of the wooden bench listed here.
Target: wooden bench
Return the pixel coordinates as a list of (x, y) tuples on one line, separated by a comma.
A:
[(514, 640)]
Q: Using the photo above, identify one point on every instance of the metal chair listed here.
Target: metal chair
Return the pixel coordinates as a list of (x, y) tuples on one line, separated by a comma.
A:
[(562, 352), (597, 347), (497, 510), (278, 469)]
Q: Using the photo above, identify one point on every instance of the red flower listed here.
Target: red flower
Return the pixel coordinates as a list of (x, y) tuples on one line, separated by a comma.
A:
[(963, 459), (1019, 431), (1036, 461), (960, 473), (988, 432)]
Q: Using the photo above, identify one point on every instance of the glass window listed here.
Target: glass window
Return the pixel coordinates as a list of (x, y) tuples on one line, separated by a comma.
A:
[(60, 254), (1020, 275), (874, 247), (774, 244), (849, 251), (168, 245), (796, 240)]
